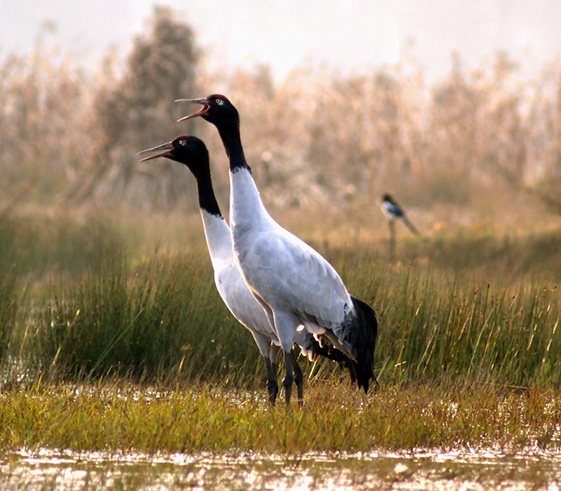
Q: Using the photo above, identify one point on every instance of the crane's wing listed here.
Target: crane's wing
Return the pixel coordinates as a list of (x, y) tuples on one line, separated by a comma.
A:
[(288, 273)]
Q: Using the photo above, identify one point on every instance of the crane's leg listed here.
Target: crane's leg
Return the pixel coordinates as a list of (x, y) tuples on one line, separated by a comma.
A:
[(293, 374), (298, 379), (272, 364), (275, 352), (272, 385), (288, 377), (286, 324), (270, 354)]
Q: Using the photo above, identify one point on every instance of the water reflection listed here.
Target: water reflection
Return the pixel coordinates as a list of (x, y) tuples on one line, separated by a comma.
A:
[(415, 470)]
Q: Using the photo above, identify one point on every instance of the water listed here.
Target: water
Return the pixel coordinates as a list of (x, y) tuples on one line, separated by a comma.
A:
[(416, 470)]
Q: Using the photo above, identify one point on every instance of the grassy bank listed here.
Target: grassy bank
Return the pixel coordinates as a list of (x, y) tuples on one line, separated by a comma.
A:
[(334, 418)]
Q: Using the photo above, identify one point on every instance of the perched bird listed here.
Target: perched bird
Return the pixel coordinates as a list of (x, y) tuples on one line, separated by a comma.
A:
[(192, 152), (298, 289), (395, 212)]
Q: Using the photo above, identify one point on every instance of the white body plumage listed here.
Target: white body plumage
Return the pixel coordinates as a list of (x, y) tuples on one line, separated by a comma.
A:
[(294, 283), (234, 291)]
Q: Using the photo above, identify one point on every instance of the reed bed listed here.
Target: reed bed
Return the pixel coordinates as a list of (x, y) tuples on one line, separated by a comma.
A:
[(162, 320), (480, 139)]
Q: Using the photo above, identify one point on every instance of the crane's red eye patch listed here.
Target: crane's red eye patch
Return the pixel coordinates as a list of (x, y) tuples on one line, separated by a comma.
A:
[(217, 99)]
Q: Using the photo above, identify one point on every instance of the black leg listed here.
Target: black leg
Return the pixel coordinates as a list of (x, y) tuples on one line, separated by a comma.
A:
[(272, 385), (293, 374), (288, 377), (298, 379)]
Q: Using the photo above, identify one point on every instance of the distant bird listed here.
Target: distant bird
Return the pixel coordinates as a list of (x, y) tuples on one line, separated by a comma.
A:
[(395, 212), (192, 152), (297, 288)]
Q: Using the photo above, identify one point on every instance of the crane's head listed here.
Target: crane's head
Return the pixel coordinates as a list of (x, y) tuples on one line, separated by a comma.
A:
[(216, 109), (188, 150)]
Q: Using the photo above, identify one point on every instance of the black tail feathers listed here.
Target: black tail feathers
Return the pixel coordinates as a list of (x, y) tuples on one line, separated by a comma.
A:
[(410, 226), (328, 351), (362, 336)]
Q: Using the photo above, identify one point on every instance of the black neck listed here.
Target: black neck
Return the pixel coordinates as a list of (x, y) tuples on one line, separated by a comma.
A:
[(233, 145), (207, 199)]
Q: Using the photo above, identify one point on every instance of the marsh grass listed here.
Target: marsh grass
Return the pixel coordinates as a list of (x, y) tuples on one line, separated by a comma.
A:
[(209, 418), (9, 303), (478, 139), (159, 320), (505, 335), (56, 243), (136, 352), (98, 301), (461, 303)]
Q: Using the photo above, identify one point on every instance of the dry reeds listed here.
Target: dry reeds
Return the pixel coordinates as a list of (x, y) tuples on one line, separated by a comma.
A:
[(315, 139)]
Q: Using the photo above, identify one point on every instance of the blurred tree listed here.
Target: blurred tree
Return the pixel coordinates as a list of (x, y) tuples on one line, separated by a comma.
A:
[(547, 187), (138, 111), (455, 106)]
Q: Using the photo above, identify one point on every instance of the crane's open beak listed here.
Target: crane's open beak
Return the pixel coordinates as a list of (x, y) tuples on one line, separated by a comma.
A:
[(163, 150), (201, 112)]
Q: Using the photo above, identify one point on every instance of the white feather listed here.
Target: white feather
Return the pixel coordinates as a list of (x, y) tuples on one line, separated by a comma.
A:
[(234, 291), (228, 280), (282, 270)]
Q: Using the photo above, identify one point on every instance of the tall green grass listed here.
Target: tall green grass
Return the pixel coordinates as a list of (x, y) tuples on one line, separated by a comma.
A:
[(503, 257), (42, 244), (8, 312), (82, 299), (445, 331), (489, 315), (161, 320)]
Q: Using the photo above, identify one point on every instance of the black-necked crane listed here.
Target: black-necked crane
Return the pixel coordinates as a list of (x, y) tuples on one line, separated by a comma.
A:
[(297, 288), (395, 212), (192, 152)]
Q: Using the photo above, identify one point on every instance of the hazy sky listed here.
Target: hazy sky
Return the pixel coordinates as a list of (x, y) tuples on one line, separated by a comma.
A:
[(350, 34)]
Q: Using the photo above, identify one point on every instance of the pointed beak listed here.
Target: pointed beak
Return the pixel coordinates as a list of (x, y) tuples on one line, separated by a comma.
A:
[(163, 151), (201, 112)]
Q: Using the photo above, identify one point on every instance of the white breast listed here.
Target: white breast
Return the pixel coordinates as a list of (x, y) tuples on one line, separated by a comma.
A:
[(228, 278), (284, 271)]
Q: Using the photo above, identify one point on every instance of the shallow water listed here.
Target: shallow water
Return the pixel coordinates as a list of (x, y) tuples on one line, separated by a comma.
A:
[(415, 470)]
